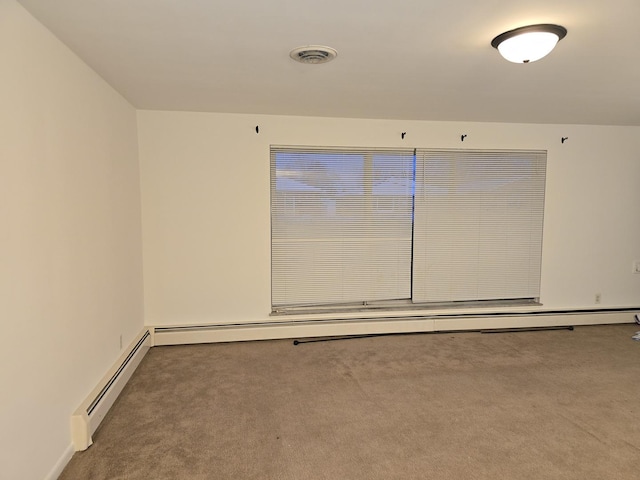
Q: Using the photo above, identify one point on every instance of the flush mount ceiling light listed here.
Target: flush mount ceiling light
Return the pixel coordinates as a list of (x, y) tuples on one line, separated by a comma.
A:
[(530, 43), (313, 54)]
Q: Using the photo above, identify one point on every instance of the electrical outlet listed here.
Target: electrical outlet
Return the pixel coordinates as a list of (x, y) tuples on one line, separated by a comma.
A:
[(598, 298), (636, 266)]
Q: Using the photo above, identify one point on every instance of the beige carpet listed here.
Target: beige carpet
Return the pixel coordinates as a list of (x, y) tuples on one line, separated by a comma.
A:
[(537, 405)]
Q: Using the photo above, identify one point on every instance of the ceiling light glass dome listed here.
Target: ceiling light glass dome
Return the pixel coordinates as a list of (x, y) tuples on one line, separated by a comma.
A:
[(530, 43)]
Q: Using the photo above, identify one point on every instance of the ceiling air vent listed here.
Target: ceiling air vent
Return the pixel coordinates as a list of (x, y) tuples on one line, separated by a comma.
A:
[(313, 54)]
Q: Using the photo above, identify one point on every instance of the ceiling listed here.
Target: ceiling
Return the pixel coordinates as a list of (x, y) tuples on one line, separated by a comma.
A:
[(397, 59)]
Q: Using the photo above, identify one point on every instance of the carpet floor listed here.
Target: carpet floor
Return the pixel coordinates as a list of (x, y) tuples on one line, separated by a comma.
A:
[(528, 405)]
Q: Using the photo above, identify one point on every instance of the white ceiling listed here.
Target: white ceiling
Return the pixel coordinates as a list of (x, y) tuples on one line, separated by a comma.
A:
[(397, 59)]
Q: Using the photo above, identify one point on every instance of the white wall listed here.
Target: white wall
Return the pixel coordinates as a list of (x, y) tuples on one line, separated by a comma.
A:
[(70, 237), (205, 203)]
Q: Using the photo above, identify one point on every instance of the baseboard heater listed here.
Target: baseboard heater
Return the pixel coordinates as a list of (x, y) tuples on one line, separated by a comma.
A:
[(301, 328), (86, 419)]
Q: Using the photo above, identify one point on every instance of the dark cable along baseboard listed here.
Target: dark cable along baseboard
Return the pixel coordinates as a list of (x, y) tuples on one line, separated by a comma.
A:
[(439, 332)]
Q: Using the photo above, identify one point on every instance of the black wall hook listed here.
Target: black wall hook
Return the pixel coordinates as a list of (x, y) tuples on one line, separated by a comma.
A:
[(257, 129), (462, 137), (403, 134), (564, 139)]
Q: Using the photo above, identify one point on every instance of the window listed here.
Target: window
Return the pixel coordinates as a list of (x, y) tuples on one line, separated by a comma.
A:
[(478, 225), (341, 225), (376, 227)]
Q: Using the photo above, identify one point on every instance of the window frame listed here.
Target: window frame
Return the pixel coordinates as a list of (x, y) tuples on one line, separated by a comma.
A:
[(398, 303)]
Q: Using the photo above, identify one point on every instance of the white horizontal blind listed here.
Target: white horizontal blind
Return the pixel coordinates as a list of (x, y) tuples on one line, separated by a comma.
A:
[(341, 223), (478, 225)]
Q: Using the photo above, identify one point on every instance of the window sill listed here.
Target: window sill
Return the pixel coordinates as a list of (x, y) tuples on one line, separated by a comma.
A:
[(407, 309)]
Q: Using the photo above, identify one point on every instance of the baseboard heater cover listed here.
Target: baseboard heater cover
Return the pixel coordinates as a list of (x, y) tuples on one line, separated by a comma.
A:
[(212, 333), (86, 419)]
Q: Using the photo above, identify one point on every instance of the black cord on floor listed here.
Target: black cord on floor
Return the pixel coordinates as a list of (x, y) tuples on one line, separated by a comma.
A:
[(440, 332)]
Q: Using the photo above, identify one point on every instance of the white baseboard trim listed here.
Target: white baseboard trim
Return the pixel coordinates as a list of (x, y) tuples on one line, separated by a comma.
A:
[(542, 320), (86, 419), (61, 463), (214, 333)]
